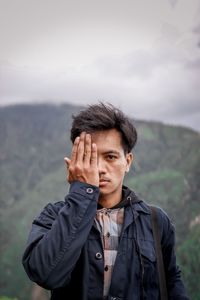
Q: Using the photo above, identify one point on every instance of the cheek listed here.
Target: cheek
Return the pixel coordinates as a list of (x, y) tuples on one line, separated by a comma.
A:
[(119, 169)]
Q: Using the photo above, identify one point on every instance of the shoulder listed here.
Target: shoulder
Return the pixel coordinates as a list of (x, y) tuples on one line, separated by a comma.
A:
[(143, 206), (162, 216), (166, 227)]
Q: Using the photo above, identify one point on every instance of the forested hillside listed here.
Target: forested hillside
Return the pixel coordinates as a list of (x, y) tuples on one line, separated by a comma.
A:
[(35, 138)]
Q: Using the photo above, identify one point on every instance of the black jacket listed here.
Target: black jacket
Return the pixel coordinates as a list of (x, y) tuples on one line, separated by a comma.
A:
[(64, 252)]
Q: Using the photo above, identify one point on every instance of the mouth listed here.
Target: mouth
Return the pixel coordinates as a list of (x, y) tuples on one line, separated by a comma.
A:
[(103, 182)]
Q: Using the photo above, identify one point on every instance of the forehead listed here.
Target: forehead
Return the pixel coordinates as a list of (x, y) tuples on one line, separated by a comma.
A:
[(107, 139)]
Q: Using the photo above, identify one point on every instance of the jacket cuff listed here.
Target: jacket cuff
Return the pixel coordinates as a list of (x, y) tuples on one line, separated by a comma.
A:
[(85, 189)]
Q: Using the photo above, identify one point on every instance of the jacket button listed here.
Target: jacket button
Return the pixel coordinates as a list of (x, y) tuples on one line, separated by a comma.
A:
[(98, 255), (89, 190)]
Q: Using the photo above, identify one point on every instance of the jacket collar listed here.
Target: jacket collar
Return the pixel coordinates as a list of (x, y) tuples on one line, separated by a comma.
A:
[(129, 198), (137, 203)]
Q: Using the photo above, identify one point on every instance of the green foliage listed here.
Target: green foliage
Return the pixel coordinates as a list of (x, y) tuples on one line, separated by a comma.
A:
[(34, 140), (6, 298), (189, 258)]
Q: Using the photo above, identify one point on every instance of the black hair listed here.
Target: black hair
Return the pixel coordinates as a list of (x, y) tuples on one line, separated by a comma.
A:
[(103, 116)]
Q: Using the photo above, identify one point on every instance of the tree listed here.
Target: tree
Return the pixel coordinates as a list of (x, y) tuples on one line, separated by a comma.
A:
[(189, 259)]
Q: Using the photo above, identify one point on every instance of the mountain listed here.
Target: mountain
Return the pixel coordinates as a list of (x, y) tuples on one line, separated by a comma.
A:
[(35, 139)]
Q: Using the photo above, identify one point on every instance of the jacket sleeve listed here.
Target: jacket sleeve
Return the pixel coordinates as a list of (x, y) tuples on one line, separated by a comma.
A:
[(175, 286), (58, 235)]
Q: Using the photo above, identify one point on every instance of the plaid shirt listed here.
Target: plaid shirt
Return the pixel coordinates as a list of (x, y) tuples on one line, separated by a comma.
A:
[(109, 223)]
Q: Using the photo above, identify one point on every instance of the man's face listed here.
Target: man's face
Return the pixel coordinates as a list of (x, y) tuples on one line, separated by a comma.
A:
[(113, 163)]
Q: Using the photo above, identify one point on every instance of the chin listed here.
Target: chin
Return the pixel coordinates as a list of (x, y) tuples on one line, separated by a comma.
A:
[(103, 191)]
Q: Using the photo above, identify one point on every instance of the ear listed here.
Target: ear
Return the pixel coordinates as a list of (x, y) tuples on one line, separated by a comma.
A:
[(129, 159)]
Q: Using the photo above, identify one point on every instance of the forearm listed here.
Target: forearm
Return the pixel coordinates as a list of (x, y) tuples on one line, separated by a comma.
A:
[(52, 252)]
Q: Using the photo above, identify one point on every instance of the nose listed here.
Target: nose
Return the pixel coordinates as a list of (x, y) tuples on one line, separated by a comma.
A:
[(101, 166)]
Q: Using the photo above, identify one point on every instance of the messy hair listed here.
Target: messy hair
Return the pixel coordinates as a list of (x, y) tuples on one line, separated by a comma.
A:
[(103, 116)]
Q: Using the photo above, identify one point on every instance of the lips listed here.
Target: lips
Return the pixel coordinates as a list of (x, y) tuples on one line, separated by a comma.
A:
[(103, 182)]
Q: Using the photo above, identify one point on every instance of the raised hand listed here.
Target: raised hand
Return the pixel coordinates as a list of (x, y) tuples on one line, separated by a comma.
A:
[(83, 163)]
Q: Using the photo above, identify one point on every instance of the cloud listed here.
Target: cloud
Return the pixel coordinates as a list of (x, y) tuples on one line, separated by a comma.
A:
[(172, 47), (139, 63), (144, 60), (169, 93), (173, 2), (193, 64), (196, 31)]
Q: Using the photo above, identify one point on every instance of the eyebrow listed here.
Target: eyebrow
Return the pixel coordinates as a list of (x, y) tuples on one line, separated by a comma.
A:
[(112, 152)]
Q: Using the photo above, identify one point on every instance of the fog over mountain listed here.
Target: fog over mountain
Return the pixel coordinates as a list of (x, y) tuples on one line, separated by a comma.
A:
[(34, 140)]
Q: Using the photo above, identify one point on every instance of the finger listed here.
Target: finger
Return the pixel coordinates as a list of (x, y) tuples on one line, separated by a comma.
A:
[(67, 161), (75, 150), (87, 152), (81, 148), (93, 158)]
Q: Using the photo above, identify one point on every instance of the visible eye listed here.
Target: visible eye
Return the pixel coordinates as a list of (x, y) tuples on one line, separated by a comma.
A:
[(111, 157)]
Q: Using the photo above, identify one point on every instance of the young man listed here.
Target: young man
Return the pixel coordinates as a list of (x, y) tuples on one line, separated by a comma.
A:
[(98, 243)]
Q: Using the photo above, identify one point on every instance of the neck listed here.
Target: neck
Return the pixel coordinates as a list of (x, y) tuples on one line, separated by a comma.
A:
[(109, 201)]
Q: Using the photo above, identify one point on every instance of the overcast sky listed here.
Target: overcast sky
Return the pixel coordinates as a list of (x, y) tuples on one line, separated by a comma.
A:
[(143, 56)]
